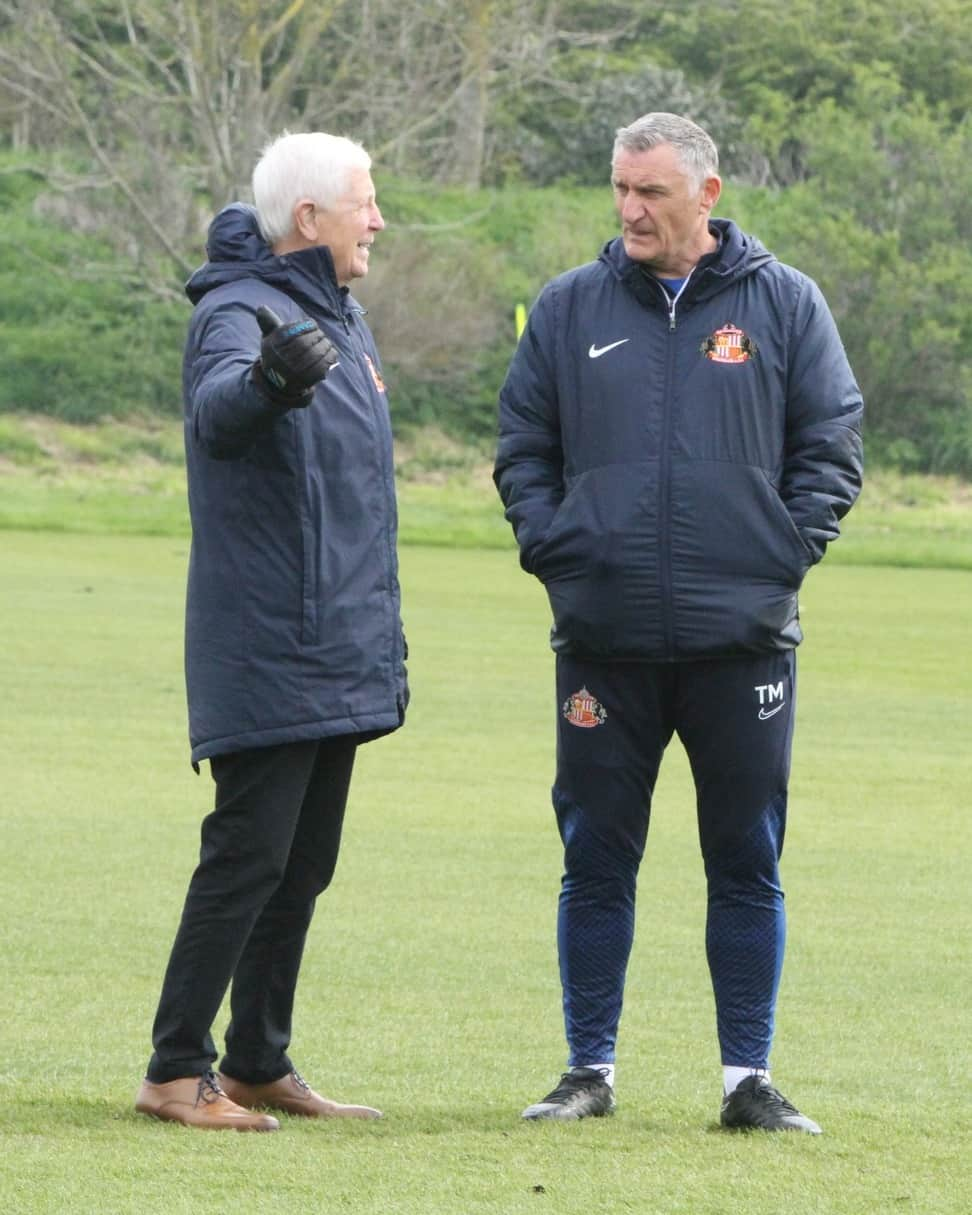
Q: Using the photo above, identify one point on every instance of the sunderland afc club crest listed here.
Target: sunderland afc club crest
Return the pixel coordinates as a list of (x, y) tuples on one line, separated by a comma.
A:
[(375, 374), (729, 345), (584, 710)]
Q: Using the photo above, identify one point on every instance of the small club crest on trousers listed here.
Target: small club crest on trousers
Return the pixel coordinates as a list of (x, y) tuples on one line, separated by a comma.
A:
[(584, 710)]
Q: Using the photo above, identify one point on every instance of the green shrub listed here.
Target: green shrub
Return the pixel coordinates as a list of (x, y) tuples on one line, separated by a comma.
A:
[(81, 336)]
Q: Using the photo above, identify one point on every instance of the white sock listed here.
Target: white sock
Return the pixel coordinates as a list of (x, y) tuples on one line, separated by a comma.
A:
[(732, 1077), (606, 1070)]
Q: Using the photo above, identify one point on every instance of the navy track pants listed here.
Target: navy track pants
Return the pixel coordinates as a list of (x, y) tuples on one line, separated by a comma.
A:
[(735, 719)]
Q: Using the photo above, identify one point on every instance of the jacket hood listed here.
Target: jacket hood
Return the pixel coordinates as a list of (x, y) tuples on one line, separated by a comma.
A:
[(236, 250), (738, 254)]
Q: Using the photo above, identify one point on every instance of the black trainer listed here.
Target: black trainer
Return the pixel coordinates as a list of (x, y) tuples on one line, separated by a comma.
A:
[(581, 1093), (756, 1103)]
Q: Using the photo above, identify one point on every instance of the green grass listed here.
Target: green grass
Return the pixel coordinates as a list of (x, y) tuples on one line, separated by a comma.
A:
[(126, 478), (429, 986)]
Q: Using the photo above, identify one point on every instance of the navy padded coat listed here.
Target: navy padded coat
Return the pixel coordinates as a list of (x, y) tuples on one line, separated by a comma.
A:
[(671, 471), (293, 627)]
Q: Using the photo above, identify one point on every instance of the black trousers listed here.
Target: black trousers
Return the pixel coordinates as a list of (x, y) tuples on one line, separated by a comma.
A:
[(268, 849)]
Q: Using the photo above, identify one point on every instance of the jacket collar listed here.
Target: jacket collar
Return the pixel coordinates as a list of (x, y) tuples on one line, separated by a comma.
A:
[(237, 250), (736, 256)]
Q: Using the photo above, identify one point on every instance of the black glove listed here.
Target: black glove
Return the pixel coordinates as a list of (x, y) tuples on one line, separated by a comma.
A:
[(293, 358)]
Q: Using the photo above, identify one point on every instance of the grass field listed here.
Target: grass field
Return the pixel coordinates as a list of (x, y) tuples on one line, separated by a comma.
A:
[(429, 986), (124, 478)]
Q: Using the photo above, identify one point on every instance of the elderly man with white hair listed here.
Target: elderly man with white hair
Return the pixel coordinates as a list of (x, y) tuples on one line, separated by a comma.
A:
[(295, 653)]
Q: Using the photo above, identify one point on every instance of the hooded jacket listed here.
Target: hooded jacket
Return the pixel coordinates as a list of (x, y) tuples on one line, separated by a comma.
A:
[(672, 469), (293, 628)]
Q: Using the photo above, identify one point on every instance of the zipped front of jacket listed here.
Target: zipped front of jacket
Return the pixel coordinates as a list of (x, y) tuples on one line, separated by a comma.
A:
[(665, 470), (664, 486)]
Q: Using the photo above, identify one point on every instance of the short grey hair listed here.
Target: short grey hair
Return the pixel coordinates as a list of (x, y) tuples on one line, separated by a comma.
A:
[(696, 150), (311, 165)]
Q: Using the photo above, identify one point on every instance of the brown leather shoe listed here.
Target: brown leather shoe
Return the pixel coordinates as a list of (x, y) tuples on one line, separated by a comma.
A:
[(293, 1095), (199, 1101)]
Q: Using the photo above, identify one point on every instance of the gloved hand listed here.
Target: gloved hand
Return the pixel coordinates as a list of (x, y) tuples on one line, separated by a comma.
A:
[(293, 358)]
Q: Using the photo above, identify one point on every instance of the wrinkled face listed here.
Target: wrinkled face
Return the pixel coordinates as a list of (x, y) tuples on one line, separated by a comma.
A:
[(349, 227), (664, 218)]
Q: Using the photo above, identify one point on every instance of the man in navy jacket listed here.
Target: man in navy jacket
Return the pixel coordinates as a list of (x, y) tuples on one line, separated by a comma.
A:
[(679, 437), (294, 645)]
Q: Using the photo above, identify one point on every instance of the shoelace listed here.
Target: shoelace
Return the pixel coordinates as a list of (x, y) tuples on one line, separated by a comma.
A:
[(209, 1089), (570, 1083), (776, 1097), (301, 1082), (772, 1096)]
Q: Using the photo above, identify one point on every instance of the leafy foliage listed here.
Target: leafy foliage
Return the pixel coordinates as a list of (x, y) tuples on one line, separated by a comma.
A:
[(843, 124), (879, 222)]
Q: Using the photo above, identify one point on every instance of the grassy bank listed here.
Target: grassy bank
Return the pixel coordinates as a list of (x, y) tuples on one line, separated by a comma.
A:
[(127, 479)]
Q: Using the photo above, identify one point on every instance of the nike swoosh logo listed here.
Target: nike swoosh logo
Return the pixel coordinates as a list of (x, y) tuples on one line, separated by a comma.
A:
[(764, 713), (595, 352)]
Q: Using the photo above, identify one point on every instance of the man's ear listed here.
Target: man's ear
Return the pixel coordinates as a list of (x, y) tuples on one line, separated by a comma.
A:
[(711, 189), (305, 219)]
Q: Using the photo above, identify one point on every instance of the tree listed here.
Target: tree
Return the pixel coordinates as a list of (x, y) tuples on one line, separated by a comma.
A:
[(776, 62), (880, 223), (564, 130), (444, 73), (155, 111)]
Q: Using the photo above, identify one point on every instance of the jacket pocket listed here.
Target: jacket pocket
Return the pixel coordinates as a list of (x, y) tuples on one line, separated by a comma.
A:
[(282, 528), (592, 525), (598, 560), (730, 523), (737, 561), (788, 530), (311, 545)]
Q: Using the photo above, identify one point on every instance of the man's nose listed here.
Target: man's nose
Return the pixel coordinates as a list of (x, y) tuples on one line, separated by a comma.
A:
[(633, 208)]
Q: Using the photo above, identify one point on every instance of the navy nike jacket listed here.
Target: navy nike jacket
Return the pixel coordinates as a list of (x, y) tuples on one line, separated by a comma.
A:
[(293, 628), (672, 470)]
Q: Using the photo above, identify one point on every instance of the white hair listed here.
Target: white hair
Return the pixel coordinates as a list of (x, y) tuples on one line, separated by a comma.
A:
[(311, 165)]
